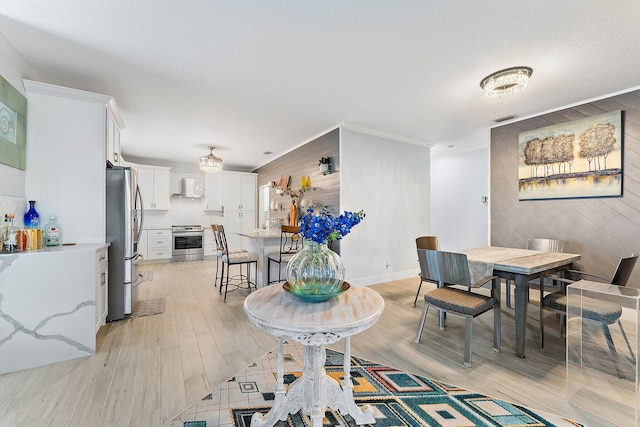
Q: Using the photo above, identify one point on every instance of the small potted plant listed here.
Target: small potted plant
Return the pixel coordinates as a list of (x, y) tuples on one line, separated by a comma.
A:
[(324, 163)]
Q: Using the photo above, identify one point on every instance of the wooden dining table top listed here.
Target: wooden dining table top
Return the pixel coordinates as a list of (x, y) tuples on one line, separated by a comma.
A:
[(519, 261)]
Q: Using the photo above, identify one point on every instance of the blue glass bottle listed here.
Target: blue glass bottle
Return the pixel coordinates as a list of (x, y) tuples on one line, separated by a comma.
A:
[(32, 217)]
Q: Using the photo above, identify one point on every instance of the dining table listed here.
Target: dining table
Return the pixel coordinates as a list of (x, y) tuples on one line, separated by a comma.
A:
[(521, 266)]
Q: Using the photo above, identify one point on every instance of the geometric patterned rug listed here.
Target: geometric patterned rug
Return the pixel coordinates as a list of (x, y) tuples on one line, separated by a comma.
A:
[(398, 398)]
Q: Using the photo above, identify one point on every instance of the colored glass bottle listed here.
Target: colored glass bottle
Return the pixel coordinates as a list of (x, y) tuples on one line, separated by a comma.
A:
[(32, 217)]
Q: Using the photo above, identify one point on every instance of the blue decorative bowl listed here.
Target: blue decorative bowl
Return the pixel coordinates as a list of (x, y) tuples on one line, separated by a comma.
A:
[(316, 295)]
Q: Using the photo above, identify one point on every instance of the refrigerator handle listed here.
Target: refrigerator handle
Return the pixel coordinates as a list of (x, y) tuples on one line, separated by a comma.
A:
[(139, 194)]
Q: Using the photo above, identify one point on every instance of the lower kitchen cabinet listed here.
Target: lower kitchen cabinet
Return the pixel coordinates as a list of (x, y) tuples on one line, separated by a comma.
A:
[(102, 291), (238, 222), (210, 247), (64, 305), (158, 244)]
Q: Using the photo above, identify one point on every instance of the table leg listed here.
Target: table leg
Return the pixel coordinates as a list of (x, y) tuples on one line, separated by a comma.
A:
[(314, 391), (362, 415), (280, 410), (497, 315), (521, 292)]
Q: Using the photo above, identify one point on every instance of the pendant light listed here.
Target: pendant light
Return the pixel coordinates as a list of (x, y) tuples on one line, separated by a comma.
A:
[(210, 163)]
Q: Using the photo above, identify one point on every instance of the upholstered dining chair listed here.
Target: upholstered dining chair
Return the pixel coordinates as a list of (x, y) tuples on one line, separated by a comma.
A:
[(290, 244), (425, 242), (451, 269), (542, 245), (604, 312), (230, 259)]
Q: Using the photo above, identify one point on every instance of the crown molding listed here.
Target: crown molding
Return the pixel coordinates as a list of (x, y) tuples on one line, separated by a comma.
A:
[(387, 135), (65, 92)]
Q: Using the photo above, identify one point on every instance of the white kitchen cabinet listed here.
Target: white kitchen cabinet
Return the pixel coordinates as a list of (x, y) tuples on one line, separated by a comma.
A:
[(114, 124), (210, 247), (142, 244), (239, 191), (238, 222), (102, 291), (229, 190), (154, 186), (159, 244), (66, 152), (213, 189)]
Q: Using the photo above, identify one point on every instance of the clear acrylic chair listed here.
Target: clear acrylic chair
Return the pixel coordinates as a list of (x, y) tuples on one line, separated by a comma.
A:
[(604, 312)]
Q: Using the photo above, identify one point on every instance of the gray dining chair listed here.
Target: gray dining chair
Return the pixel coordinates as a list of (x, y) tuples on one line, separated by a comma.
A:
[(604, 312), (542, 245), (452, 269), (425, 242)]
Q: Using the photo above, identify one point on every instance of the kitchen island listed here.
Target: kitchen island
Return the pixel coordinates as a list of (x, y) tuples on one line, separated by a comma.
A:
[(263, 242), (48, 310)]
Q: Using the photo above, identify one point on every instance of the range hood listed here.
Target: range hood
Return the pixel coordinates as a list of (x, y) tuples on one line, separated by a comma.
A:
[(187, 189)]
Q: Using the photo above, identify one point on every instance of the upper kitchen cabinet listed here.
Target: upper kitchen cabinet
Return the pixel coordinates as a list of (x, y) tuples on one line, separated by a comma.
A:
[(66, 152), (213, 188), (239, 192), (154, 186), (230, 191), (114, 124)]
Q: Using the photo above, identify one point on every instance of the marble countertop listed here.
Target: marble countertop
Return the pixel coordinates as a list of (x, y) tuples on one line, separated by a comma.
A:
[(261, 234), (62, 248)]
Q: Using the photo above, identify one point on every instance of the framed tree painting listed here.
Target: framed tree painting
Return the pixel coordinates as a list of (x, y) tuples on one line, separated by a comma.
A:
[(13, 126), (577, 159)]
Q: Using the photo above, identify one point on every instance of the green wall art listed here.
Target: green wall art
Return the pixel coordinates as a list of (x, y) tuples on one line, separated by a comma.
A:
[(13, 126)]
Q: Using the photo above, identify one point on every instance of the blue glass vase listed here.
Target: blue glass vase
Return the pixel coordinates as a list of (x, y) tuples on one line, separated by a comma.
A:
[(32, 217)]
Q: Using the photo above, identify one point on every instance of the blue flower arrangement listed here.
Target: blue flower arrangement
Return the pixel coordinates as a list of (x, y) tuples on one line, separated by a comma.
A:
[(323, 227)]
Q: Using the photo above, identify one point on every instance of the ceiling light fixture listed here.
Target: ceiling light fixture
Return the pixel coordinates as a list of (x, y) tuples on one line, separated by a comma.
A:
[(506, 82), (210, 163)]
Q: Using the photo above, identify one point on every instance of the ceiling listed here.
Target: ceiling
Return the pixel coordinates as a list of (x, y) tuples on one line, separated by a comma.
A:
[(255, 76)]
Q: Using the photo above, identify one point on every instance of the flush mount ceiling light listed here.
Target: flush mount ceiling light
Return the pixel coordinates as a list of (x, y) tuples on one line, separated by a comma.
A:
[(210, 163), (506, 82)]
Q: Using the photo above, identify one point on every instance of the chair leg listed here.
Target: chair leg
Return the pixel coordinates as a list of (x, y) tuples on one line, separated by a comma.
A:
[(541, 328), (279, 274), (226, 286), (508, 292), (422, 320), (612, 349), (268, 271), (417, 293), (215, 281), (468, 332), (633, 357), (221, 279)]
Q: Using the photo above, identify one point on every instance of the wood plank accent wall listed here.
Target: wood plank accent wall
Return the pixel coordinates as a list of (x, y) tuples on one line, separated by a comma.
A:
[(304, 161), (602, 229)]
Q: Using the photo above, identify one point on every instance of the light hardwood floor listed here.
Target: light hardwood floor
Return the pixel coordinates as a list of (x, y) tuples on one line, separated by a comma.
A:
[(147, 370)]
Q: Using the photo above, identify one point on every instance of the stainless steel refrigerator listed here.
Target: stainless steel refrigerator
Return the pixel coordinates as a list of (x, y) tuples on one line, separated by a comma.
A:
[(124, 226)]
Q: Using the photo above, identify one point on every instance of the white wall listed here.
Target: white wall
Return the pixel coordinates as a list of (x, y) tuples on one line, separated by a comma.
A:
[(389, 180), (458, 216)]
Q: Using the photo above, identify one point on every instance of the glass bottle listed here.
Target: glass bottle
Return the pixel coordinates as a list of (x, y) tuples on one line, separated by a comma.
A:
[(52, 233), (10, 240), (32, 217)]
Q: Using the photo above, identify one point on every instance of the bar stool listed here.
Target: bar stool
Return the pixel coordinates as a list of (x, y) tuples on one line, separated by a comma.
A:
[(238, 258)]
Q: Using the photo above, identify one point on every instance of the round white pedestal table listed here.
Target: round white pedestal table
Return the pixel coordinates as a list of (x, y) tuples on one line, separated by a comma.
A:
[(314, 325)]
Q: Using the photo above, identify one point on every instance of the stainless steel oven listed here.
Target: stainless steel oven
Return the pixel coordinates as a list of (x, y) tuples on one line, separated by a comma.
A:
[(188, 243)]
